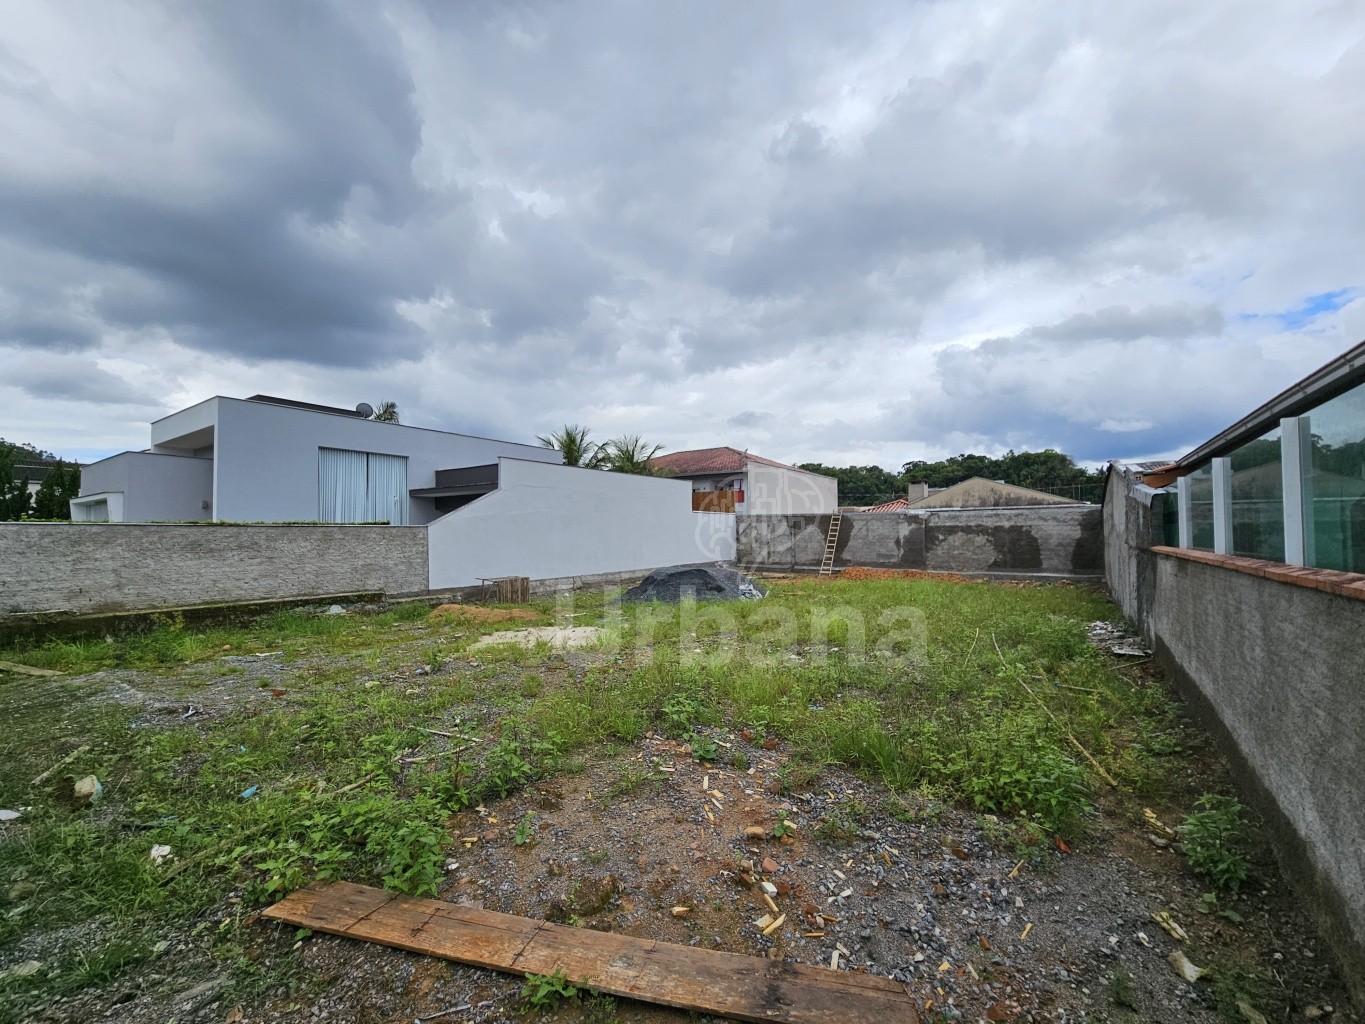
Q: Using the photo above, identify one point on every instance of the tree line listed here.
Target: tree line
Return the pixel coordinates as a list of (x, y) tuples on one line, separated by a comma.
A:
[(1047, 470), (60, 482)]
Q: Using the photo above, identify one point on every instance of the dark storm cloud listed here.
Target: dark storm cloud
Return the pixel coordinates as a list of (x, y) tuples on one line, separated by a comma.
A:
[(245, 268), (890, 228)]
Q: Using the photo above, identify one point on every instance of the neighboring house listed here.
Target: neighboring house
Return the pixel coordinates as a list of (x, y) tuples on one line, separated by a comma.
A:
[(487, 508), (33, 473), (265, 459), (974, 492), (729, 480)]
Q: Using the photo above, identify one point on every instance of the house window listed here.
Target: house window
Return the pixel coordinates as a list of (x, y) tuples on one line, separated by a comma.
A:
[(362, 487)]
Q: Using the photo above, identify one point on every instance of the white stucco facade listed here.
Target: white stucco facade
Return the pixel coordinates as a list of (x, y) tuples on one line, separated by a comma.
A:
[(778, 490), (254, 461), (547, 521)]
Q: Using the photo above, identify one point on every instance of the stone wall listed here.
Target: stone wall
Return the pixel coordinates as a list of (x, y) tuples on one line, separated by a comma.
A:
[(1058, 540), (1269, 658), (89, 567)]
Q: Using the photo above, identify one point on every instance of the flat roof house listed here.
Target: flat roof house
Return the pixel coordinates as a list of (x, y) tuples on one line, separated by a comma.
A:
[(729, 480), (265, 459), (487, 508)]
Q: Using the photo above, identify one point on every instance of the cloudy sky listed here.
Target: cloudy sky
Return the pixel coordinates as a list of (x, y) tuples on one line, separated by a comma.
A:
[(853, 233)]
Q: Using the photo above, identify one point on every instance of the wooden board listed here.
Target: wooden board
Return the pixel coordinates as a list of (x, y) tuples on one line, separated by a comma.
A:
[(727, 984), (28, 670)]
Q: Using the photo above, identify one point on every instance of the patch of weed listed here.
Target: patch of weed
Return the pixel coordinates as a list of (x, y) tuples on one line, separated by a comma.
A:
[(545, 992), (1214, 840)]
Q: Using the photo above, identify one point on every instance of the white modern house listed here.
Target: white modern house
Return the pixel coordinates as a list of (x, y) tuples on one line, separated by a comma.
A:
[(265, 459), (490, 508), (729, 480)]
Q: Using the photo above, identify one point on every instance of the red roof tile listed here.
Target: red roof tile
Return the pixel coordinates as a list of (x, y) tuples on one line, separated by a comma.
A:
[(894, 505), (701, 461)]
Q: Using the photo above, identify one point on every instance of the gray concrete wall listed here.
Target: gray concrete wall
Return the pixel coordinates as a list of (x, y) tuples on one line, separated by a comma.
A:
[(1274, 669), (91, 567), (1061, 540), (548, 521), (155, 487)]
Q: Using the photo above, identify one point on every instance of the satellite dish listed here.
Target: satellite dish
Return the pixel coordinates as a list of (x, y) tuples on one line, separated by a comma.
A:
[(364, 409)]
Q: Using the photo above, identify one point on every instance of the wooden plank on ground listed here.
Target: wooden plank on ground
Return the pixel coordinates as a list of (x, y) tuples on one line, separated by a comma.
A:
[(28, 670), (703, 980)]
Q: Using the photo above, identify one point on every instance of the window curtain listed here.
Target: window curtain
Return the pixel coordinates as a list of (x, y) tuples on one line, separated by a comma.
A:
[(342, 485), (387, 490)]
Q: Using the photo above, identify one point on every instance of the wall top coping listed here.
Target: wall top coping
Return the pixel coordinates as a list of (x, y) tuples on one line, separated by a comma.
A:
[(1331, 581)]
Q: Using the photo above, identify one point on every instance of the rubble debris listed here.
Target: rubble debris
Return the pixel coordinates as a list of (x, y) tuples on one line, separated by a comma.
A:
[(89, 790), (1180, 963), (1164, 918), (1108, 637), (676, 583), (159, 853)]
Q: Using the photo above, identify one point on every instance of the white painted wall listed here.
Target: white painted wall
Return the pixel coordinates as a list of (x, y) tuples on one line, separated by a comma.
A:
[(775, 491), (152, 487), (265, 457), (548, 521)]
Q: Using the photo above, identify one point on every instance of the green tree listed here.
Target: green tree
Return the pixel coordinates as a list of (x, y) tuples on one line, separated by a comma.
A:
[(14, 496), (386, 412), (55, 491), (572, 442), (861, 485), (630, 453), (1047, 470)]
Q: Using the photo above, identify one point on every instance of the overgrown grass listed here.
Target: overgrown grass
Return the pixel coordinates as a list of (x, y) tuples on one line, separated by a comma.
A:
[(976, 706)]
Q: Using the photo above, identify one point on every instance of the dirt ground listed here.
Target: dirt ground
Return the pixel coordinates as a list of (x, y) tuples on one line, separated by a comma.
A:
[(645, 840)]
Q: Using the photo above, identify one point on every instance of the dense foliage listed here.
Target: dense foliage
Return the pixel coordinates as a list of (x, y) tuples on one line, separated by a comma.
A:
[(59, 483), (1047, 470)]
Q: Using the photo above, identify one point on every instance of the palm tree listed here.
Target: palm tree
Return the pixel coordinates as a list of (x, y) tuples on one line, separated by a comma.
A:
[(572, 442), (630, 453), (386, 413)]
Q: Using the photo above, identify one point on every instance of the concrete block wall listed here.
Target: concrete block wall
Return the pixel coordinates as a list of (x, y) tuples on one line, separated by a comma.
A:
[(1273, 669), (1065, 540), (90, 567)]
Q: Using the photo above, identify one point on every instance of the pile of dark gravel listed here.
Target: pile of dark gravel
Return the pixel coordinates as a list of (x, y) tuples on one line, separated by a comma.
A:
[(674, 583)]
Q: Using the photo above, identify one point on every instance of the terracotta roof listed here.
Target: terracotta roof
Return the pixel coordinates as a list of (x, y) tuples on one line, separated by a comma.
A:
[(895, 505), (701, 461)]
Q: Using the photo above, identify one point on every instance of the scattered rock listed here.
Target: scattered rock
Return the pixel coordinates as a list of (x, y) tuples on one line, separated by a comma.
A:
[(89, 790), (1180, 963), (336, 609), (755, 832), (160, 853), (7, 815), (1252, 1015)]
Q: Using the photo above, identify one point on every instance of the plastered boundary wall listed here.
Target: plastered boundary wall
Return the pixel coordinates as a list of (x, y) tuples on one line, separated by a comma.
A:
[(547, 521), (1062, 540), (1274, 670), (91, 567)]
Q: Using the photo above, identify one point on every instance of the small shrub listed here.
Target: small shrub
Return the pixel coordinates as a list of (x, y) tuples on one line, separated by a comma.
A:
[(1121, 989), (1214, 840), (547, 991), (678, 714)]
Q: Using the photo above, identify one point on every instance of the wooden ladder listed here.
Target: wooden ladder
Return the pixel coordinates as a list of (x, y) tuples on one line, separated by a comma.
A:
[(831, 542)]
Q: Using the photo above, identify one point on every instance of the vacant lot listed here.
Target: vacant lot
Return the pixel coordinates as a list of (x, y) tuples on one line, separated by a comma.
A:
[(921, 769)]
